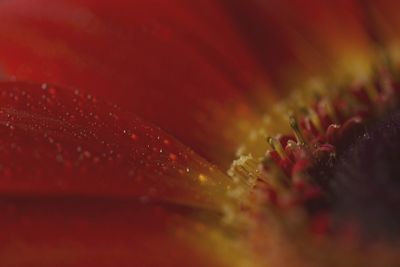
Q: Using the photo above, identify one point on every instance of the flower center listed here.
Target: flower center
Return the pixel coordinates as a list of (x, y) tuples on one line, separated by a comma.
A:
[(335, 173), (364, 183)]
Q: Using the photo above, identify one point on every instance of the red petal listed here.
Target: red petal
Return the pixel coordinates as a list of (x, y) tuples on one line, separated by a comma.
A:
[(86, 184), (62, 142), (179, 65), (100, 232)]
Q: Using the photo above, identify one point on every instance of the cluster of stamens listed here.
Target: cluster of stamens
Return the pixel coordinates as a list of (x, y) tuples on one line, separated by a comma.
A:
[(287, 178)]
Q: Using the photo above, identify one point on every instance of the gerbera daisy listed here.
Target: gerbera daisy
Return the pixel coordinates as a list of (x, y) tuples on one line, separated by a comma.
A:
[(288, 111)]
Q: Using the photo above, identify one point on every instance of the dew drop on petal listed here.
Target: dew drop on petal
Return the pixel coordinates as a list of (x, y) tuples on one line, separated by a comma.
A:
[(134, 137)]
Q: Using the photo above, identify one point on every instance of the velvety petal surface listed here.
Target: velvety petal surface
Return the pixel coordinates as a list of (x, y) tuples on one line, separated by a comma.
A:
[(79, 231), (84, 183), (66, 142)]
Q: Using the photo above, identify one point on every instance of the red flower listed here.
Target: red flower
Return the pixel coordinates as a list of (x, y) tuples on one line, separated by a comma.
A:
[(85, 183)]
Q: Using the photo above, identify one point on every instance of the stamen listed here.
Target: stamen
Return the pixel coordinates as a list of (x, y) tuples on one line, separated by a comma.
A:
[(315, 120), (296, 130), (277, 146), (244, 169), (330, 110), (372, 92)]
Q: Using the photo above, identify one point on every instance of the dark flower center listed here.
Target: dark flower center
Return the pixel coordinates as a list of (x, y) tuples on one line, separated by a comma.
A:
[(365, 180)]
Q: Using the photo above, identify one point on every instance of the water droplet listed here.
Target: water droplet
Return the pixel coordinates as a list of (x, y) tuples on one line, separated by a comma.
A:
[(172, 156), (202, 178), (87, 154), (134, 137)]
